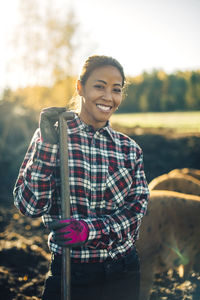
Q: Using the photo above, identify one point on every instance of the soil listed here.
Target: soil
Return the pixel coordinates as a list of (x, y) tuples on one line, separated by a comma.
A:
[(24, 255)]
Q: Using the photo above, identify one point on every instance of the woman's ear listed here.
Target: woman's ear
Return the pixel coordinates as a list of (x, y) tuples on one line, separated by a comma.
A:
[(79, 88)]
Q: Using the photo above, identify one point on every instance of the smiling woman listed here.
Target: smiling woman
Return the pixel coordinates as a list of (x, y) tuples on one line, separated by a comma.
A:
[(108, 191)]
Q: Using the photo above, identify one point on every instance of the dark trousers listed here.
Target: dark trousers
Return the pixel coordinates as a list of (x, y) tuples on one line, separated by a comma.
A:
[(110, 280)]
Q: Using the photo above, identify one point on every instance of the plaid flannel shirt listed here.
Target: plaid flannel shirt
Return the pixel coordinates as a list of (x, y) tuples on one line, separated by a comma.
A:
[(108, 189)]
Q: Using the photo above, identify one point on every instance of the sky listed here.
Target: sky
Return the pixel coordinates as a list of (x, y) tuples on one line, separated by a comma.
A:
[(142, 34)]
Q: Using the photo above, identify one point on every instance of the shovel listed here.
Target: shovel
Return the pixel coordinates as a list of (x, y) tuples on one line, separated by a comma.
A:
[(65, 200)]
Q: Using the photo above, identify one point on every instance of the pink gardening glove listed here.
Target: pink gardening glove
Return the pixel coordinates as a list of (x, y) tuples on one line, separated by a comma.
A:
[(69, 232)]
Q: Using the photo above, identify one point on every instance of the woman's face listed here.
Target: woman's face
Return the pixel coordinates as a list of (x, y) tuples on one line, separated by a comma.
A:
[(101, 95)]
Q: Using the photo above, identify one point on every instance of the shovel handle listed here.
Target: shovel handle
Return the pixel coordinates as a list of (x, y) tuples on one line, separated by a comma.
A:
[(67, 115), (65, 200)]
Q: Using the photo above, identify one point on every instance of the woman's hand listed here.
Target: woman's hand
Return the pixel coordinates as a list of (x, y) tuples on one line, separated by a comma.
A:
[(69, 232), (48, 118)]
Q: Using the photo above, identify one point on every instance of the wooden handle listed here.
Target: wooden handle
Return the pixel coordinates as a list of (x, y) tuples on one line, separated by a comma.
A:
[(65, 200)]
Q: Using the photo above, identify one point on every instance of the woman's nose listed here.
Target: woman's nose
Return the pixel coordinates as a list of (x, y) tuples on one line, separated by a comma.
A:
[(107, 95)]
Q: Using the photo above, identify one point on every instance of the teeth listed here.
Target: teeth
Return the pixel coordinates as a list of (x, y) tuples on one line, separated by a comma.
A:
[(105, 108)]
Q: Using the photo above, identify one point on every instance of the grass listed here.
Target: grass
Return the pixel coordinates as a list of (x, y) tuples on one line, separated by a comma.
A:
[(182, 122)]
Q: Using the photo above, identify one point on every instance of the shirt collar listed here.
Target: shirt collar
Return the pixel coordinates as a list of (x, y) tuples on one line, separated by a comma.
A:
[(77, 124)]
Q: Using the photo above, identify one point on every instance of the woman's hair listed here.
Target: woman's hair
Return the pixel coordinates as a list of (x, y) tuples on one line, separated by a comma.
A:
[(96, 61), (93, 62)]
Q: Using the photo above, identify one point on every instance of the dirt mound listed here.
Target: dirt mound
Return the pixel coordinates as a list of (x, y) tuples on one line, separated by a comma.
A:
[(24, 256)]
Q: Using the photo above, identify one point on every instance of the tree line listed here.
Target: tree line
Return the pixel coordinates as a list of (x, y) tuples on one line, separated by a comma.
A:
[(159, 92), (149, 92)]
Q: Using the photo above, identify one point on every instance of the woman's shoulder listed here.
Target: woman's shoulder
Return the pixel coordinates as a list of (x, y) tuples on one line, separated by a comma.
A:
[(123, 139)]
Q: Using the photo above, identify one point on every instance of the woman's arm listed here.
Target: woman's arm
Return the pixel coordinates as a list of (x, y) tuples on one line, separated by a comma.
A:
[(35, 185), (125, 222)]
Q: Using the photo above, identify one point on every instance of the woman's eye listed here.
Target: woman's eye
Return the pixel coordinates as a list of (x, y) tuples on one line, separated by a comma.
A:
[(98, 86), (116, 90)]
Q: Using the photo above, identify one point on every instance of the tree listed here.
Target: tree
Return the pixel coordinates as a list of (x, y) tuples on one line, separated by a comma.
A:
[(46, 41), (158, 91), (194, 90)]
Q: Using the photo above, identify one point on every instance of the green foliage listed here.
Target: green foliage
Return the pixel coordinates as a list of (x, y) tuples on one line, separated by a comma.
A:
[(17, 125), (158, 92)]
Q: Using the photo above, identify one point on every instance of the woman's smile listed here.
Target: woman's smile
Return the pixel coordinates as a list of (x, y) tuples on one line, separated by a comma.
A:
[(104, 108)]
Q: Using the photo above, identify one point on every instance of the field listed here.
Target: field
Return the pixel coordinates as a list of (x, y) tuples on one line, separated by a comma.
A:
[(181, 122)]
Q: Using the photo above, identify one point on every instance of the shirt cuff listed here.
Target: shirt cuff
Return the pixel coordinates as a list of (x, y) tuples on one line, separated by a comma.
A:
[(97, 229)]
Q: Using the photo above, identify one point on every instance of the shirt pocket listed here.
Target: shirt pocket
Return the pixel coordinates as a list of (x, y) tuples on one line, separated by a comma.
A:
[(118, 185)]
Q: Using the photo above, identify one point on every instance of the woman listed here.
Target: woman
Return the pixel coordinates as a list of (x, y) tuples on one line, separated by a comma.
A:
[(108, 190)]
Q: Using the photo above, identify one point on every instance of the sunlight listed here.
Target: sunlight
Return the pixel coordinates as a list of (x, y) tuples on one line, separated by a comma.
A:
[(138, 34)]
